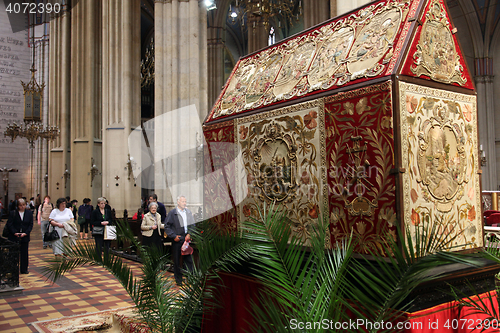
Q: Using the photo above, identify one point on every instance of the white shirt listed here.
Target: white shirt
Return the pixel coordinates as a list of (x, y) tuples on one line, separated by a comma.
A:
[(184, 218), (59, 216), (22, 215)]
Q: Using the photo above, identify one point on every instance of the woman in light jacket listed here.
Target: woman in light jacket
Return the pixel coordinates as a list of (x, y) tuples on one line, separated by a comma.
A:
[(58, 216), (151, 227)]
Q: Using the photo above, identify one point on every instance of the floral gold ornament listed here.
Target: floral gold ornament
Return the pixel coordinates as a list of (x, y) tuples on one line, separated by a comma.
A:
[(439, 148), (436, 54), (281, 154)]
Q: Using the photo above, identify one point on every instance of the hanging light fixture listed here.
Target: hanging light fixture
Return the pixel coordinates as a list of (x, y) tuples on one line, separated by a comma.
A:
[(148, 65), (267, 10), (32, 129)]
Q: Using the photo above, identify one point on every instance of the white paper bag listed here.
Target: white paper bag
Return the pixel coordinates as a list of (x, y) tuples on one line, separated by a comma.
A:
[(109, 232)]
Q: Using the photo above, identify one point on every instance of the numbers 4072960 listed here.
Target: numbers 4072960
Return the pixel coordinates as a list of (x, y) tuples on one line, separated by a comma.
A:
[(32, 8)]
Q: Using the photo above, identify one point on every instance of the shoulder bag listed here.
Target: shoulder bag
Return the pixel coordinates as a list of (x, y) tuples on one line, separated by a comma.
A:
[(50, 236), (99, 231), (81, 219)]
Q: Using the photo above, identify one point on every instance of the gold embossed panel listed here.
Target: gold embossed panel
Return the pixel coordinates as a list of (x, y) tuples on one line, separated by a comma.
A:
[(354, 47), (439, 153), (283, 157)]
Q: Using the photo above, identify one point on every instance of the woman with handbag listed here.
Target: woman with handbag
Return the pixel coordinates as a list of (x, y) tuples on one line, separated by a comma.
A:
[(57, 218), (44, 211), (20, 224), (151, 227), (100, 218)]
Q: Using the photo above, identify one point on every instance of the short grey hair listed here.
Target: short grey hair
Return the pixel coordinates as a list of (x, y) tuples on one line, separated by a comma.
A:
[(153, 204), (181, 196), (101, 199)]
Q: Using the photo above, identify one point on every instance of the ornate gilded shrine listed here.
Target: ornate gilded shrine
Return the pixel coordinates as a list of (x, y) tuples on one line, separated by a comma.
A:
[(366, 122)]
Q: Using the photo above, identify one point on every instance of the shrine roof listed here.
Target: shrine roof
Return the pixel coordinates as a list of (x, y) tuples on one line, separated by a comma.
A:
[(386, 37)]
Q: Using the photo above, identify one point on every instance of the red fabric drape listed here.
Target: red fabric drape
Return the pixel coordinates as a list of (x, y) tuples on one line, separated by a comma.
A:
[(450, 317), (234, 313)]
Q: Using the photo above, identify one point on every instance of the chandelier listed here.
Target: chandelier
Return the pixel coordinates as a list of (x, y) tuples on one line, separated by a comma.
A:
[(281, 11), (31, 131), (148, 66)]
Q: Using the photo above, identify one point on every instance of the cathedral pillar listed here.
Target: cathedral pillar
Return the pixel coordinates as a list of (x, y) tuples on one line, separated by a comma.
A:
[(85, 99), (486, 129), (343, 7), (180, 98), (59, 102), (258, 33), (333, 8), (120, 100), (315, 12), (215, 64)]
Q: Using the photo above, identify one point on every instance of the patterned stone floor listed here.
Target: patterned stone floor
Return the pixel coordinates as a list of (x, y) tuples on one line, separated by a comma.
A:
[(83, 290)]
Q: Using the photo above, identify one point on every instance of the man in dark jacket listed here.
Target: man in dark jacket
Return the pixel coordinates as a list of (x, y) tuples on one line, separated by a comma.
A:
[(179, 223), (20, 224)]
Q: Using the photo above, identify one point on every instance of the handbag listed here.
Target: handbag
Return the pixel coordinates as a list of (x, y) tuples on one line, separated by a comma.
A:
[(109, 232), (50, 236), (98, 231), (81, 219), (186, 249)]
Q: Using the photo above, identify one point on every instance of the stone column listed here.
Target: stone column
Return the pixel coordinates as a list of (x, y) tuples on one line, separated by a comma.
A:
[(215, 63), (120, 100), (59, 100), (85, 98), (180, 97), (333, 8), (258, 33), (346, 6), (486, 129), (315, 12)]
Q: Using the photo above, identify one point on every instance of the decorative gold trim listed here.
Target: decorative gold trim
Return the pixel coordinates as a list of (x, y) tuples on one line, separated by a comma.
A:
[(274, 113), (218, 125), (385, 86)]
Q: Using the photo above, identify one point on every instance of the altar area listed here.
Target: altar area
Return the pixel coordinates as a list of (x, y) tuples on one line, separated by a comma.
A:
[(367, 121)]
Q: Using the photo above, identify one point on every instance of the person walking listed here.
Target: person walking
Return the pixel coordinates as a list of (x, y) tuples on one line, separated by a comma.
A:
[(44, 211), (85, 210), (100, 217), (178, 224), (59, 217), (20, 224), (151, 228)]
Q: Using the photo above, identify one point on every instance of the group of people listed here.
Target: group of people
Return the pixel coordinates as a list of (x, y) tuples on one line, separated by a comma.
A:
[(60, 218), (156, 225), (176, 225)]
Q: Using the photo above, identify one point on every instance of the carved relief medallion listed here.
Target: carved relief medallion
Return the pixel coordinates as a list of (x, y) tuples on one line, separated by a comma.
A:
[(441, 155), (275, 163)]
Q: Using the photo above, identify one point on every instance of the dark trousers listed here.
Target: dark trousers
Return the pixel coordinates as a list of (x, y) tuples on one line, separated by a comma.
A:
[(99, 242), (23, 254), (154, 240), (176, 257), (85, 226)]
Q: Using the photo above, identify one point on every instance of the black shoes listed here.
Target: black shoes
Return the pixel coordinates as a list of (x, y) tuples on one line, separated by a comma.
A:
[(27, 272)]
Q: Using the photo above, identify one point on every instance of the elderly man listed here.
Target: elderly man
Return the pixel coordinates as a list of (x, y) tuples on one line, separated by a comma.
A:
[(178, 224)]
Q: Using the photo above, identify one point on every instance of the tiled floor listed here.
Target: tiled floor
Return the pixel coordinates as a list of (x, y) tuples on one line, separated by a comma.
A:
[(87, 289)]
